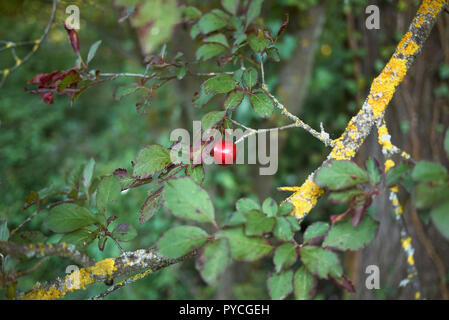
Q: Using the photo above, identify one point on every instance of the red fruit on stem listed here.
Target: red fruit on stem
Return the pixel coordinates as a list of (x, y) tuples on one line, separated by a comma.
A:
[(224, 153)]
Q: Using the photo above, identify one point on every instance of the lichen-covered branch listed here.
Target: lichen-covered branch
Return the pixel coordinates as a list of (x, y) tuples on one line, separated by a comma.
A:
[(40, 250), (372, 112), (110, 268)]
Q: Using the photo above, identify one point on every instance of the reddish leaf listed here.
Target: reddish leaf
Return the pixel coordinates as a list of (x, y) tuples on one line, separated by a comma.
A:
[(47, 97), (73, 37), (284, 26)]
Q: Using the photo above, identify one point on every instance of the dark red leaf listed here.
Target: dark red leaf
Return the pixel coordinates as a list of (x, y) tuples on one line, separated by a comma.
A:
[(73, 37), (47, 97)]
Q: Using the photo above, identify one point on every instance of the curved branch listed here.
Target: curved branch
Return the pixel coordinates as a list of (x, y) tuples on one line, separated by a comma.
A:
[(372, 112)]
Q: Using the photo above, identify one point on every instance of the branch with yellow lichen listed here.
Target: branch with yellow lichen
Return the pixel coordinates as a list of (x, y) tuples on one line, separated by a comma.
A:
[(40, 250), (111, 268), (372, 112)]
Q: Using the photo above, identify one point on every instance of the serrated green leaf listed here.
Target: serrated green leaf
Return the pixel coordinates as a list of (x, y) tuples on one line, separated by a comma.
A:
[(191, 13), (186, 199), (230, 6), (233, 99), (257, 223), (123, 91), (344, 236), (150, 208), (108, 192), (270, 207), (222, 83), (321, 262), (250, 77), (243, 247), (282, 229), (340, 174), (93, 51), (210, 22), (149, 160), (212, 118), (280, 285), (253, 12), (194, 32), (273, 53), (196, 173), (294, 223), (262, 104), (427, 171), (235, 218), (68, 217), (303, 283), (245, 205), (209, 50), (80, 238), (202, 97), (258, 42), (179, 241), (219, 38), (315, 230), (440, 218), (285, 256), (213, 261)]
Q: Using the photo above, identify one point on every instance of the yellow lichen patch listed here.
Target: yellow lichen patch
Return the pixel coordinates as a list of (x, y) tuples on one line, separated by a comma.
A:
[(406, 243), (394, 189), (405, 155), (388, 165), (105, 267), (5, 72), (432, 7), (340, 151), (410, 260), (384, 138), (418, 21), (305, 198), (410, 276), (398, 210), (42, 294), (417, 295)]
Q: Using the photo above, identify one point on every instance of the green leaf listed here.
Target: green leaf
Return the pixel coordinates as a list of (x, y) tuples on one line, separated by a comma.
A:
[(179, 241), (250, 77), (219, 38), (285, 208), (395, 174), (345, 236), (4, 231), (27, 236), (212, 118), (191, 13), (71, 77), (273, 53), (243, 247), (283, 230), (210, 22), (68, 217), (285, 256), (124, 90), (222, 83), (92, 51), (427, 195), (304, 283), (270, 207), (245, 205), (253, 11), (196, 173), (340, 174), (213, 261), (88, 173), (203, 97), (195, 31), (257, 223), (344, 196), (233, 99), (429, 171), (150, 208), (235, 218), (315, 230), (373, 172), (181, 72), (208, 51), (320, 262), (230, 6), (294, 223), (149, 160), (280, 285), (124, 232), (258, 42), (186, 199), (108, 192), (446, 143), (80, 238), (440, 217), (262, 104)]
